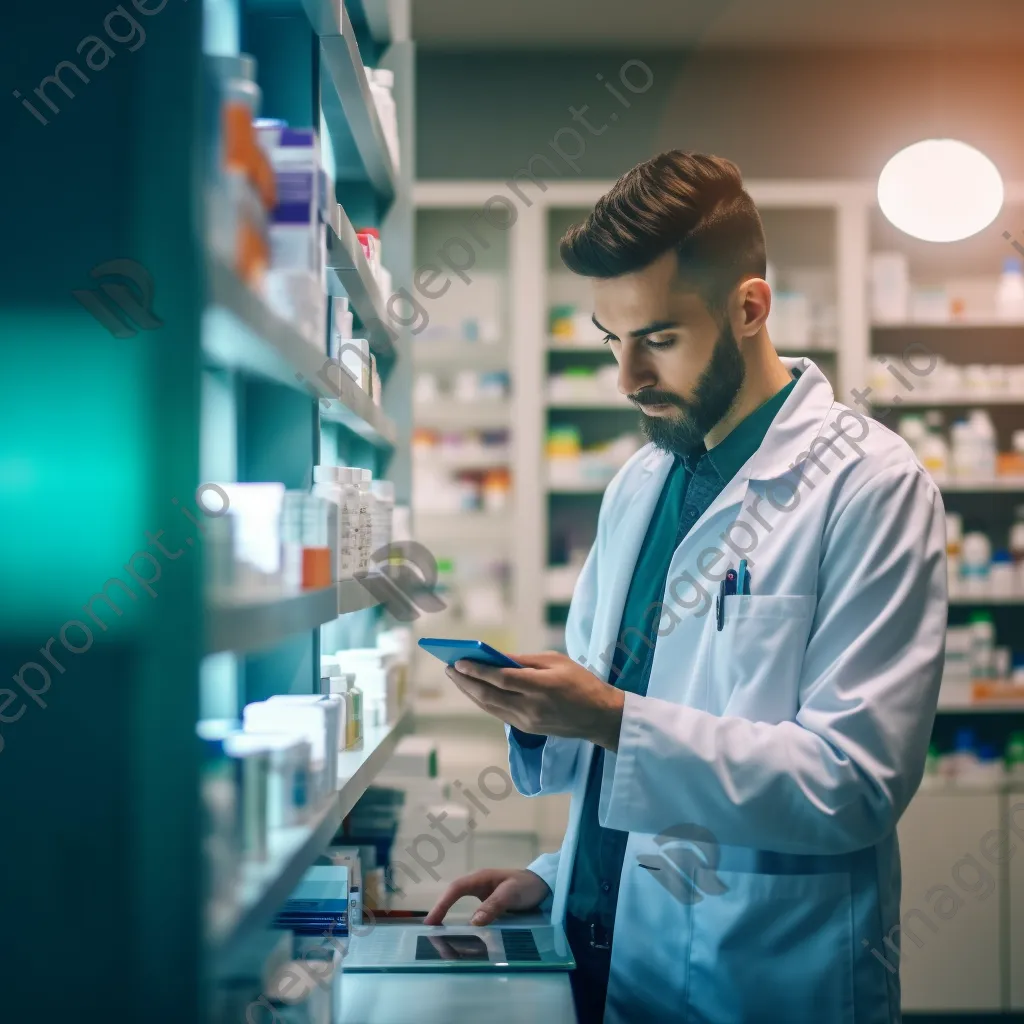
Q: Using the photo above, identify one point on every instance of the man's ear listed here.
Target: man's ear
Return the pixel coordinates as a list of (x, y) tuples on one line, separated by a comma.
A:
[(753, 301)]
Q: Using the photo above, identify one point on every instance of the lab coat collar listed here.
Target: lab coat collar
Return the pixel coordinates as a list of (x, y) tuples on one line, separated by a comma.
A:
[(796, 425)]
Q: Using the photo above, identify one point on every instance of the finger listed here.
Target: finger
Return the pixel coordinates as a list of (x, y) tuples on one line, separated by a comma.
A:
[(525, 680), (537, 660), (496, 904), (476, 693), (482, 690), (478, 670), (469, 885), (511, 680)]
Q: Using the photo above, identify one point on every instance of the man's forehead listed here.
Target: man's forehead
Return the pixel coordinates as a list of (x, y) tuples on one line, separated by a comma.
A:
[(677, 300)]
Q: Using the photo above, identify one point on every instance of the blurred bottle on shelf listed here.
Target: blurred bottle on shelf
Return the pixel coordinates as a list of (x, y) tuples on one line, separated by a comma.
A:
[(934, 449), (1017, 545), (1010, 290), (954, 542), (890, 287), (976, 563)]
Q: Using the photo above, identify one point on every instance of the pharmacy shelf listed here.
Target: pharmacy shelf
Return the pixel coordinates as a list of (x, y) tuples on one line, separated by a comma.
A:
[(251, 625), (596, 402), (951, 325), (981, 486), (460, 355), (254, 624), (456, 463), (946, 401), (450, 414), (355, 596), (265, 887), (241, 332), (579, 487), (463, 527), (348, 106), (992, 599), (352, 276), (952, 705), (360, 765), (561, 345)]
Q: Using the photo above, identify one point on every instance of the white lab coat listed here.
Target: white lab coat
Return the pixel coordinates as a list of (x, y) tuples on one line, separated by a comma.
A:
[(796, 735)]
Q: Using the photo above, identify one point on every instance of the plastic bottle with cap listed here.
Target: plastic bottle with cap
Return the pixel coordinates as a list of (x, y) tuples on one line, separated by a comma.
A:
[(964, 757), (1002, 575), (363, 479), (383, 492), (350, 522), (983, 432), (983, 639), (325, 485), (954, 542), (382, 82), (962, 459), (986, 771), (933, 449), (913, 430), (1010, 291), (975, 563), (1017, 547)]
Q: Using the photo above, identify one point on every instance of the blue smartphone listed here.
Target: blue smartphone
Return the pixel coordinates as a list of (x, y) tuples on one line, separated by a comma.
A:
[(450, 651)]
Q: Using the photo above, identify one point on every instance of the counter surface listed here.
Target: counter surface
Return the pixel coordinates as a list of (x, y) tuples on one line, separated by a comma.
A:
[(517, 998)]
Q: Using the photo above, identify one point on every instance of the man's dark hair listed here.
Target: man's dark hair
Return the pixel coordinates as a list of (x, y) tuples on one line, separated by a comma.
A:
[(689, 202)]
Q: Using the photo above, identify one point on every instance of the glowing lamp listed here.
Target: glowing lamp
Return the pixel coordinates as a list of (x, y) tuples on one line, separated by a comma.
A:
[(940, 190)]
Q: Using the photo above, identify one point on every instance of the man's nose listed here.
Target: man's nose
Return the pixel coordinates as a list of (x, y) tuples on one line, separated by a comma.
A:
[(634, 371)]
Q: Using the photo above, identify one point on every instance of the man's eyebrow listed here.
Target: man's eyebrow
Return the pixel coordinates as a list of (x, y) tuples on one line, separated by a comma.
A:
[(652, 328)]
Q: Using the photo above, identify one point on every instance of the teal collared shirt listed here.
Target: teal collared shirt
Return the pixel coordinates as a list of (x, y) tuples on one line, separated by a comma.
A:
[(693, 483)]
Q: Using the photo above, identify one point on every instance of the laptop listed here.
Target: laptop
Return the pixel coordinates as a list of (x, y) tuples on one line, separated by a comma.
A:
[(415, 947)]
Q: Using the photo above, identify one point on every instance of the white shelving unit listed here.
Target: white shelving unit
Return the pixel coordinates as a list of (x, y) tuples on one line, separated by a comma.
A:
[(997, 486), (468, 333)]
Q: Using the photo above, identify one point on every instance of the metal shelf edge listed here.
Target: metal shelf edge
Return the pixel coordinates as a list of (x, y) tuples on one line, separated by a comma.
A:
[(287, 357), (344, 67), (347, 262), (353, 596), (359, 767), (254, 625)]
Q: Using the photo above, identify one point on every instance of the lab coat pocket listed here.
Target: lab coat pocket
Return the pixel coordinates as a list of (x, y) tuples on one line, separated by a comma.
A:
[(755, 661), (771, 948)]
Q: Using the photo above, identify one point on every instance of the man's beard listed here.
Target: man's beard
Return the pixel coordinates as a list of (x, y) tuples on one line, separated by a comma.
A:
[(713, 396)]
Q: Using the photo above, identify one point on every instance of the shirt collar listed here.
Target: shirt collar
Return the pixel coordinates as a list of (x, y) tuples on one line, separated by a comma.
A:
[(729, 455)]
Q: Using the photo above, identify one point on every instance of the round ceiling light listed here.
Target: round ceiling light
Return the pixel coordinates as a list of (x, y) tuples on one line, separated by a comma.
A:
[(940, 190)]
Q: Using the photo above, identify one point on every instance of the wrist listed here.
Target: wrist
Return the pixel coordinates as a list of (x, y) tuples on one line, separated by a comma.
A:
[(610, 718)]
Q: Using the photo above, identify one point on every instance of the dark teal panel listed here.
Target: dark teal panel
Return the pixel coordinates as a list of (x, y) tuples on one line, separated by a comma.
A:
[(286, 52), (97, 435)]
